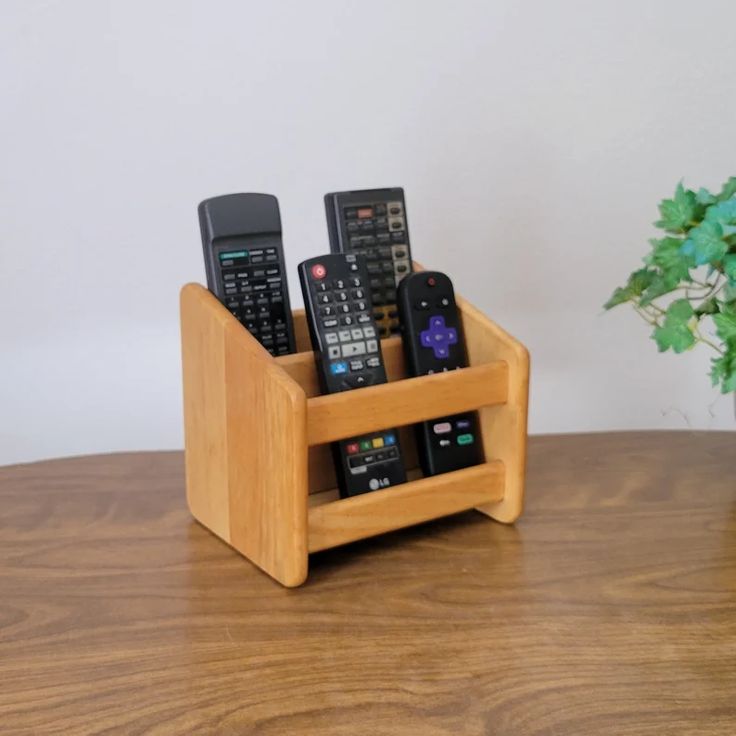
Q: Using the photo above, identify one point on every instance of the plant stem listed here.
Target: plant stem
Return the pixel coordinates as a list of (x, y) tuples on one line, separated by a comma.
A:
[(700, 338), (647, 318)]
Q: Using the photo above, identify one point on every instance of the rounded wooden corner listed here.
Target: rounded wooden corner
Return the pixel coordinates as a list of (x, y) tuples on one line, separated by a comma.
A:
[(296, 579), (503, 511)]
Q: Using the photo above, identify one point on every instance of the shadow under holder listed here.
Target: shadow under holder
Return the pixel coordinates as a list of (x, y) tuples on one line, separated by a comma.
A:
[(259, 473)]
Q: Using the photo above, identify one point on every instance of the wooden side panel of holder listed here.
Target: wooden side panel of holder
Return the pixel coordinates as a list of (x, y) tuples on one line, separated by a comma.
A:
[(245, 425), (504, 426)]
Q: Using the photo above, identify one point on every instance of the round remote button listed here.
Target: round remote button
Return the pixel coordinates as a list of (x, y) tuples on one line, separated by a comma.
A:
[(431, 281), (319, 271)]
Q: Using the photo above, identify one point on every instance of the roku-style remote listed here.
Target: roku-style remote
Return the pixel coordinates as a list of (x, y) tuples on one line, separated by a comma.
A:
[(372, 222), (433, 342), (244, 261), (348, 355)]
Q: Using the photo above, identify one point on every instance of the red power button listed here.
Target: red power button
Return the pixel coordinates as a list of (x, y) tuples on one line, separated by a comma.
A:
[(319, 271)]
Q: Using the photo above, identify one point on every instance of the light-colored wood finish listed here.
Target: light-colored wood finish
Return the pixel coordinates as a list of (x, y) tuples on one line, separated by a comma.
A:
[(609, 609), (350, 519), (257, 437), (412, 400), (246, 450), (503, 426)]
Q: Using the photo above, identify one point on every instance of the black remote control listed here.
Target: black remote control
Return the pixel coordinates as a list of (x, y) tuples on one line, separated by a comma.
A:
[(433, 342), (244, 261), (373, 222), (348, 355)]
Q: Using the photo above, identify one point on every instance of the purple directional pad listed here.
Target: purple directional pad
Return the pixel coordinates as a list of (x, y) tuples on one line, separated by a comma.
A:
[(439, 337)]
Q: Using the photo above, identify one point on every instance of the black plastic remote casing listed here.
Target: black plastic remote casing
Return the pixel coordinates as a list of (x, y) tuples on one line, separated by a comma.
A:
[(348, 354), (433, 342), (372, 222), (244, 262)]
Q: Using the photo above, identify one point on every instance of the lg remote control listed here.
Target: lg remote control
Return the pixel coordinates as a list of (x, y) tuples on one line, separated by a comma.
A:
[(433, 342), (244, 261), (348, 355), (373, 223)]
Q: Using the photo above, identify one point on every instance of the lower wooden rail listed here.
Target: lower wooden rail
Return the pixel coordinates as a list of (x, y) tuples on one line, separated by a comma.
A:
[(349, 519)]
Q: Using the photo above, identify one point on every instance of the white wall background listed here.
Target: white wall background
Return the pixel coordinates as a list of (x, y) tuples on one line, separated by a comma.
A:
[(533, 139)]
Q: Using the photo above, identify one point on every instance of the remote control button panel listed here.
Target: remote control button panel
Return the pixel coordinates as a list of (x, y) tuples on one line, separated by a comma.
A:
[(433, 343), (367, 453), (373, 223), (348, 354), (253, 290), (244, 260)]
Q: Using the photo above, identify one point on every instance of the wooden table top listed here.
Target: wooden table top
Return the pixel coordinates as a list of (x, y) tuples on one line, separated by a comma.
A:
[(609, 609)]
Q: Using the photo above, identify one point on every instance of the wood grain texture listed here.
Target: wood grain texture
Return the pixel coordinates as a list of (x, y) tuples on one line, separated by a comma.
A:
[(352, 413), (333, 524), (503, 426), (247, 452), (248, 440), (609, 609)]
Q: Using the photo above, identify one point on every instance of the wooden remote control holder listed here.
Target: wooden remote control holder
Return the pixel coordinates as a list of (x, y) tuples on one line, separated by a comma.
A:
[(259, 473)]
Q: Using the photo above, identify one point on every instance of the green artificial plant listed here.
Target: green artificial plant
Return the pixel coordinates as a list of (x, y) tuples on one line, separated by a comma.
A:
[(687, 286)]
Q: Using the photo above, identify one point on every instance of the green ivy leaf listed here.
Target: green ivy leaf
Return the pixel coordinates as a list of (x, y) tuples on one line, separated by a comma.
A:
[(729, 266), (661, 284), (677, 213), (709, 306), (728, 190), (725, 325), (723, 369), (638, 281), (675, 333), (707, 241), (668, 255), (724, 213), (704, 197)]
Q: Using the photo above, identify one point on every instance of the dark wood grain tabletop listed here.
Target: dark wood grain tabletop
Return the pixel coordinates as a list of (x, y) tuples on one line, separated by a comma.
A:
[(610, 608)]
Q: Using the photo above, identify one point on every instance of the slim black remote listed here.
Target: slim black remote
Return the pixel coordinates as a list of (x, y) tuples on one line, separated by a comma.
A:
[(373, 222), (244, 261), (433, 342), (348, 355)]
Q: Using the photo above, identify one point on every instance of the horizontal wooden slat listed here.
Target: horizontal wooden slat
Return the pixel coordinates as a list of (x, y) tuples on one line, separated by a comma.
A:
[(412, 400), (349, 519)]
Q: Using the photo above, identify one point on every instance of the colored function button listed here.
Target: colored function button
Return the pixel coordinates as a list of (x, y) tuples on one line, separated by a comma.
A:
[(366, 445), (377, 442), (338, 368), (389, 439), (442, 428), (364, 212), (233, 254), (465, 439), (352, 448), (319, 271), (462, 424)]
